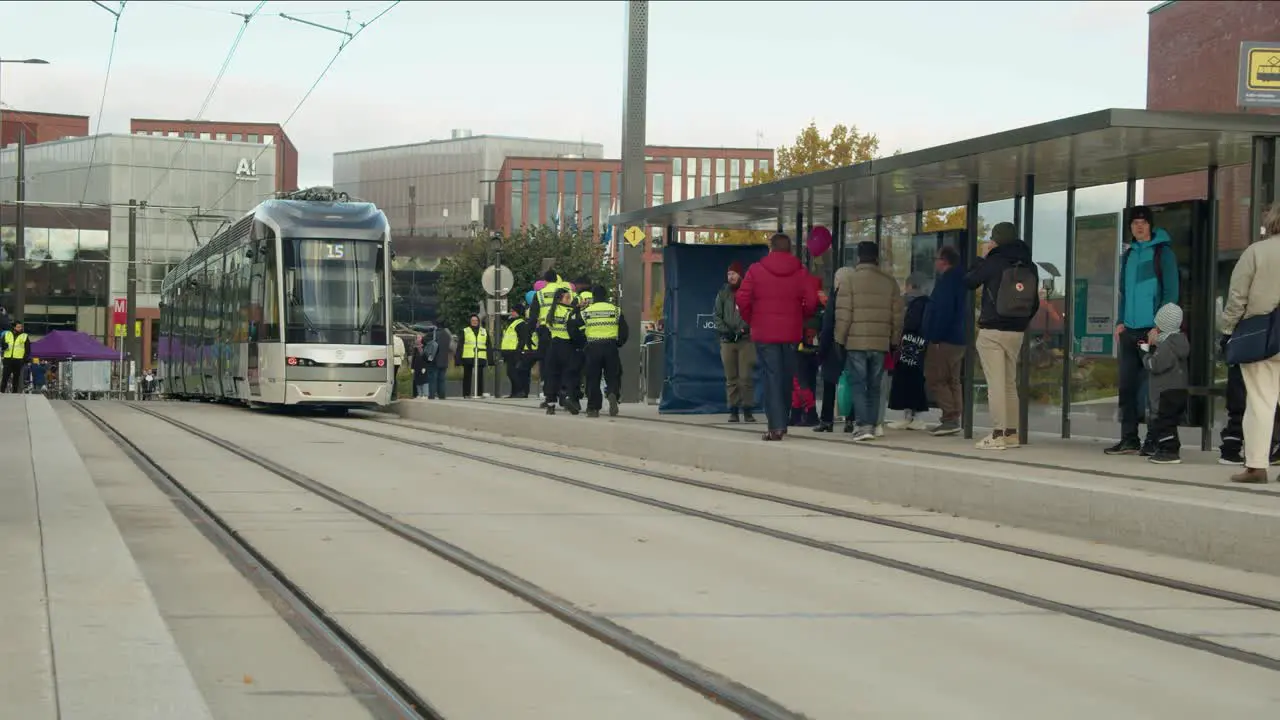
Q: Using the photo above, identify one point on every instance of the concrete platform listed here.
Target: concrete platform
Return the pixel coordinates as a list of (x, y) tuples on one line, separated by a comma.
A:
[(82, 635), (1064, 487)]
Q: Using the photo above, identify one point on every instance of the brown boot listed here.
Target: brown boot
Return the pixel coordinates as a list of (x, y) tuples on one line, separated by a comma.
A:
[(1250, 475)]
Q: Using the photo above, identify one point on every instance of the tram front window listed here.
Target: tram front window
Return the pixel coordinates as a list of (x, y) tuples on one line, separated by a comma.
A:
[(334, 292)]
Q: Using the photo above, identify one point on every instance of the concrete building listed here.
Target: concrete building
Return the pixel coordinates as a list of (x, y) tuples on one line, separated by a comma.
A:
[(286, 154), (1193, 56), (77, 220), (440, 188), (40, 126)]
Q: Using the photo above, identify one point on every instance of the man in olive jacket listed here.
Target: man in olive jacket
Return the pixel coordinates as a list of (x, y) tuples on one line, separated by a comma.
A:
[(868, 308), (737, 352)]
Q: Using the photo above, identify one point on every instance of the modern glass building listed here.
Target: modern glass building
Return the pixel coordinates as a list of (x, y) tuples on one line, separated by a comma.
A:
[(441, 188), (76, 234)]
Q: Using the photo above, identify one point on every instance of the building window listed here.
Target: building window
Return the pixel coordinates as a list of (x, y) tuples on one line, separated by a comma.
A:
[(172, 133), (517, 200), (720, 167), (690, 187), (750, 169), (706, 177), (535, 195), (734, 182), (237, 137), (677, 187), (606, 192), (764, 166), (690, 167), (205, 136), (677, 167), (553, 197), (268, 139), (659, 189), (568, 216), (253, 138), (735, 169), (588, 204), (189, 135), (221, 136), (140, 132)]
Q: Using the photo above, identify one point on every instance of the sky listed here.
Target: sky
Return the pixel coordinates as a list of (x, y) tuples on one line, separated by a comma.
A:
[(733, 74)]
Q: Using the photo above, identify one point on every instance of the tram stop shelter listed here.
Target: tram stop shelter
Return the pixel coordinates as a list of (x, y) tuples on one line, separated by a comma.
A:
[(1067, 186)]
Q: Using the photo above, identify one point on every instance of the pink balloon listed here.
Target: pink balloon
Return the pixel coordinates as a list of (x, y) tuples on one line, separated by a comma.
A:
[(540, 284), (819, 240)]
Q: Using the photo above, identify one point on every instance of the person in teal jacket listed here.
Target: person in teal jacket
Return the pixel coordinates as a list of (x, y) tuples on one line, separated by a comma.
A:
[(1148, 281)]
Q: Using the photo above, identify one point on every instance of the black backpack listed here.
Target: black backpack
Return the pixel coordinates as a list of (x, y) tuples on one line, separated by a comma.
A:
[(1019, 292)]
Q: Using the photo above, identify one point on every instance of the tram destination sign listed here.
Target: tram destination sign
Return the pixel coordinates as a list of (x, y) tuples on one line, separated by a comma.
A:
[(1259, 75)]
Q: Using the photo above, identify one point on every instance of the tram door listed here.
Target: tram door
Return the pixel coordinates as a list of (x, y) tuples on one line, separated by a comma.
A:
[(1187, 223)]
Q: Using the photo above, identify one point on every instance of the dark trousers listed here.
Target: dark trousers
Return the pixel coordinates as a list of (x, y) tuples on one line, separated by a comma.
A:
[(11, 377), (517, 372), (431, 384), (602, 358), (1133, 381), (579, 361), (1162, 429), (777, 369), (1237, 399), (559, 376), (472, 371)]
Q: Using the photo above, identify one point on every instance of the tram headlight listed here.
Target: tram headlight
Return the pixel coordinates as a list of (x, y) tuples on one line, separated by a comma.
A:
[(299, 362), (380, 362)]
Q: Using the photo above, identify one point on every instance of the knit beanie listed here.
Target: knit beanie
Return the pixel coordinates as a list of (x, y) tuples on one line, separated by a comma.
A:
[(736, 267), (1168, 321)]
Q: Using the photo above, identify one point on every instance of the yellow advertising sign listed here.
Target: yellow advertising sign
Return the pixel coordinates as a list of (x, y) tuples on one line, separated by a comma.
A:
[(1264, 68), (634, 236), (137, 329)]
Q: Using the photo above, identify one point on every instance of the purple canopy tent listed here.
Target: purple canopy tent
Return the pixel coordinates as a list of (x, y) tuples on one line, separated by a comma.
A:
[(71, 345)]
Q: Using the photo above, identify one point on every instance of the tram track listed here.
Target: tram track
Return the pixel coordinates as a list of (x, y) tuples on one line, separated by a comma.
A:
[(1036, 601), (388, 695), (744, 701)]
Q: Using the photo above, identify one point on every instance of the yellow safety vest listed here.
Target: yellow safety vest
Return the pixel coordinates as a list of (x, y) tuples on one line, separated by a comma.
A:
[(585, 298), (547, 297), (15, 345), (511, 336), (475, 341), (601, 321), (559, 322)]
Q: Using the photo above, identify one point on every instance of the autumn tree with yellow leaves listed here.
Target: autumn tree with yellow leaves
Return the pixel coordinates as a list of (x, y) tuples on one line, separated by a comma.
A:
[(811, 152)]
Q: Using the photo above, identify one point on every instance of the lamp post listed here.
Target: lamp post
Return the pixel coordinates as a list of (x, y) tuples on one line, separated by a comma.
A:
[(19, 212), (495, 245)]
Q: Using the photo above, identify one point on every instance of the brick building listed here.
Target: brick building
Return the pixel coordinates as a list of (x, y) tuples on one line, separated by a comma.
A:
[(1193, 55), (40, 126), (583, 192), (286, 154)]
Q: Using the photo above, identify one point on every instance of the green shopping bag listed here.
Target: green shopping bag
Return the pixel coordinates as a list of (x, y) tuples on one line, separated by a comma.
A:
[(844, 396)]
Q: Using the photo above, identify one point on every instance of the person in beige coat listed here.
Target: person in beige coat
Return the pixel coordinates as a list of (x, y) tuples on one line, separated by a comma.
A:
[(868, 324), (1255, 291)]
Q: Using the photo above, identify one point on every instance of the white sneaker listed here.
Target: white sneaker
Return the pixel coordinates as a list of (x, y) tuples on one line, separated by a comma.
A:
[(991, 443), (879, 431), (918, 424), (900, 424)]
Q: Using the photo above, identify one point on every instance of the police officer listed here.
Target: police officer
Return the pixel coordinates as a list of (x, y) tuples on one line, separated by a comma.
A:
[(582, 298), (14, 346), (606, 330), (473, 352), (543, 302), (564, 326), (516, 347)]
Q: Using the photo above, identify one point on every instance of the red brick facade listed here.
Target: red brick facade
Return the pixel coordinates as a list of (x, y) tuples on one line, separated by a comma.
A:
[(40, 127), (286, 153), (1193, 55)]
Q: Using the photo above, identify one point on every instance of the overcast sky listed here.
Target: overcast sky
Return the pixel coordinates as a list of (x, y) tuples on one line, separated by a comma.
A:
[(720, 73)]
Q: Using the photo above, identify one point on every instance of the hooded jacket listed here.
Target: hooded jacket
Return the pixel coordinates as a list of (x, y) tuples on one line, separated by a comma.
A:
[(776, 297), (1143, 290), (988, 273), (1167, 360), (729, 324)]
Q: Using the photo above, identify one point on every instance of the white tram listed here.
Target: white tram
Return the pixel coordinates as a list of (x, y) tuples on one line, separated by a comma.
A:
[(288, 306)]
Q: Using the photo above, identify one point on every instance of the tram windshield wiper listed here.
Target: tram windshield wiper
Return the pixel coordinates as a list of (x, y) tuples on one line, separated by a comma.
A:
[(307, 324)]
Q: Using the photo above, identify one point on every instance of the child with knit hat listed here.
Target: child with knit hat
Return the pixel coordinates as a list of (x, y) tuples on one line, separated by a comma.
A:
[(1165, 356)]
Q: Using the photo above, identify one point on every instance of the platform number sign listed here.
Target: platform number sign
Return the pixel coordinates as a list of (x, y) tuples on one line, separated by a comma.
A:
[(334, 251)]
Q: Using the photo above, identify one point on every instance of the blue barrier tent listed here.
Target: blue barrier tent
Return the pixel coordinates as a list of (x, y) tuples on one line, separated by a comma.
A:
[(1066, 185)]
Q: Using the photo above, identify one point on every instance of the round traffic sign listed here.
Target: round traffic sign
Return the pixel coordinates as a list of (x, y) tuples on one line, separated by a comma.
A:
[(497, 280)]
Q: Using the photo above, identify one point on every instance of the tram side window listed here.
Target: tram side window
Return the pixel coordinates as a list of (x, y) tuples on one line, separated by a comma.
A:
[(270, 296)]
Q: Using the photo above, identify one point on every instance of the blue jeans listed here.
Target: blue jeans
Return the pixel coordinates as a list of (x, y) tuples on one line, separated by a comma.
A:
[(434, 386), (866, 371), (777, 368)]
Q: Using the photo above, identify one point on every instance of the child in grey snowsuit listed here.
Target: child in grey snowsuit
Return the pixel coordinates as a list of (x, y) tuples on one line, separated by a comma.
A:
[(1165, 356)]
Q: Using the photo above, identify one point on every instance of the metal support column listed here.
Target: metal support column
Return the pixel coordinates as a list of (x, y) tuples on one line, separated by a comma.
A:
[(1017, 213), (918, 227), (970, 327), (1130, 199), (1024, 367), (1266, 170), (20, 220), (837, 237), (632, 187), (797, 240), (808, 228), (131, 340), (1208, 343), (1069, 315)]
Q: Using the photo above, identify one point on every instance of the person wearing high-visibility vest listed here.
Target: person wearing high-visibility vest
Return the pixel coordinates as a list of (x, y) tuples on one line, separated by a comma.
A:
[(543, 302), (581, 299), (564, 325), (473, 354), (606, 330), (15, 349), (517, 346)]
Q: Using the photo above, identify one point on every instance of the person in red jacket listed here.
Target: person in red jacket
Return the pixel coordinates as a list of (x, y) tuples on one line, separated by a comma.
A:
[(774, 300)]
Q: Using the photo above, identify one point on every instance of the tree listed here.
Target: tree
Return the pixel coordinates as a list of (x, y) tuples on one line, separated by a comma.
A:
[(577, 255), (812, 152)]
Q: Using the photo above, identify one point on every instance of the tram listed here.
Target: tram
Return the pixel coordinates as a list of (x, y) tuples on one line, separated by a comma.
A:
[(288, 306)]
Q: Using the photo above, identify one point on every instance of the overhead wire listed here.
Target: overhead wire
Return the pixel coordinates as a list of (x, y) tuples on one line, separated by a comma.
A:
[(226, 62), (363, 26), (111, 54)]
